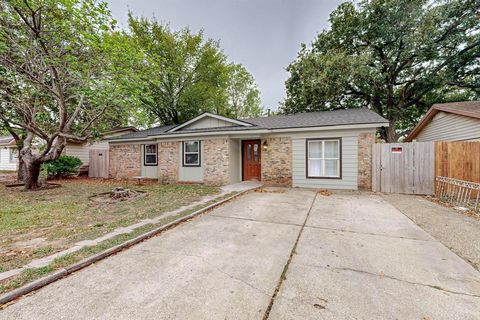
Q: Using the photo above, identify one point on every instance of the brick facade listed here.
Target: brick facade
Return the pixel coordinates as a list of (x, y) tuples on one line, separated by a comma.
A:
[(125, 161), (365, 143), (216, 161), (168, 162), (277, 161)]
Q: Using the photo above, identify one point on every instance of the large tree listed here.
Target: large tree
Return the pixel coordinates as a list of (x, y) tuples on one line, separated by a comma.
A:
[(243, 93), (57, 76), (396, 57), (180, 74)]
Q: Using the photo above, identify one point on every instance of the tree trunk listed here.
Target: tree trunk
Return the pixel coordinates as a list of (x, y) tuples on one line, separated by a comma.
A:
[(32, 173), (21, 169), (389, 134)]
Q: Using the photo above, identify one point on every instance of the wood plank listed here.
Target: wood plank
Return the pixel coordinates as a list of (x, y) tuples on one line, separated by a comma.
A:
[(458, 159), (376, 167), (98, 167)]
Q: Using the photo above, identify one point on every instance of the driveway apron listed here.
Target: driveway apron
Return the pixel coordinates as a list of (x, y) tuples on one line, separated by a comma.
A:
[(360, 258)]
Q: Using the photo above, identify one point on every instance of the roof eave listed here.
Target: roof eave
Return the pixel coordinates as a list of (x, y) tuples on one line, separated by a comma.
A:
[(168, 135)]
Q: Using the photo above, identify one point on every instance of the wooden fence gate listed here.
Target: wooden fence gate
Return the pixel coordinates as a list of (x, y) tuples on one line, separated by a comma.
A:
[(404, 168), (98, 164)]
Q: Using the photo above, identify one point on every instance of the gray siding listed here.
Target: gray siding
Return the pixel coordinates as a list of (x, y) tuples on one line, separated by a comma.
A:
[(5, 163), (189, 174), (208, 122), (148, 171), (450, 127), (81, 151), (235, 160), (349, 169)]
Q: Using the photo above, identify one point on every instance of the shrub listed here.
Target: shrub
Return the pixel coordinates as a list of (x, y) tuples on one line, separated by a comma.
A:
[(64, 166)]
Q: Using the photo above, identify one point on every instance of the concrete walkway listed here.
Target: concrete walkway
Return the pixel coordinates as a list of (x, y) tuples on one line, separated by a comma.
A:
[(357, 257)]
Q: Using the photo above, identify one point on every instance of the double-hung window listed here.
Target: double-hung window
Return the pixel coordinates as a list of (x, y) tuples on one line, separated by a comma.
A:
[(191, 153), (324, 158), (150, 155)]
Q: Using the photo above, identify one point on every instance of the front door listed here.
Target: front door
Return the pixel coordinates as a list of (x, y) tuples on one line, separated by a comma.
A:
[(251, 159)]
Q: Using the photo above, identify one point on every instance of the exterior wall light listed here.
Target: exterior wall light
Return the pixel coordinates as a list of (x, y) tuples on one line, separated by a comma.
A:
[(265, 145)]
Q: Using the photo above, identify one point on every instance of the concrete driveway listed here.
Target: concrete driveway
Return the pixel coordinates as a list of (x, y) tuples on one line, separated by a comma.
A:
[(354, 257)]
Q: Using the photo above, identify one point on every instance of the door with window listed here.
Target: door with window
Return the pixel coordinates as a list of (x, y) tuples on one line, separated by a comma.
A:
[(251, 160)]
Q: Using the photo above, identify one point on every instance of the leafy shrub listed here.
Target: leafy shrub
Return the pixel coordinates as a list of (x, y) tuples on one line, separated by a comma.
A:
[(64, 166)]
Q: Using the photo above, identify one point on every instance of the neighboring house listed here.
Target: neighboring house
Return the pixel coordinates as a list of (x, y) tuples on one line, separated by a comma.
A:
[(320, 149), (82, 150), (8, 153), (456, 121)]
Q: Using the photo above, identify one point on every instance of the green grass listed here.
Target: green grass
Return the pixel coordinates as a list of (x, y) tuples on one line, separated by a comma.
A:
[(30, 275), (57, 218)]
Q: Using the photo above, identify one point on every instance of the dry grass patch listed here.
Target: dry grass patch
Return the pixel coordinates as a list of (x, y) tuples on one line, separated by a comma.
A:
[(39, 223)]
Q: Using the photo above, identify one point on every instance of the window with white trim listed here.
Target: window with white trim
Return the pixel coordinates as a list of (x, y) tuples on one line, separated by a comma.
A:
[(323, 158), (191, 153), (150, 155), (13, 155)]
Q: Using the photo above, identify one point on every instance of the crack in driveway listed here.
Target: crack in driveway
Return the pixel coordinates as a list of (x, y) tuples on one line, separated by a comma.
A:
[(392, 278), (369, 234), (205, 261), (285, 268)]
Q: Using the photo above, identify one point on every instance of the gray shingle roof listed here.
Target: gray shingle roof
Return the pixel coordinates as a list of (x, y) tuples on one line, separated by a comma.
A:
[(143, 133), (5, 139), (319, 119), (298, 120)]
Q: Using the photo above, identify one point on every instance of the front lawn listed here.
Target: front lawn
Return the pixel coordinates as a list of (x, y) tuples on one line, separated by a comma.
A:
[(38, 223)]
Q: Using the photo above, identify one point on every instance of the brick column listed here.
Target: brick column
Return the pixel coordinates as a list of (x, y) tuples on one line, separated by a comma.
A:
[(216, 161), (365, 144), (168, 162), (277, 161)]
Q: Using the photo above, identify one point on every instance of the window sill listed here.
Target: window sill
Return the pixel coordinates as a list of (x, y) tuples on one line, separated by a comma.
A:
[(331, 178)]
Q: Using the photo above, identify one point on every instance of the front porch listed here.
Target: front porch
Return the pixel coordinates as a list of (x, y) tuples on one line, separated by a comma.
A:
[(211, 161)]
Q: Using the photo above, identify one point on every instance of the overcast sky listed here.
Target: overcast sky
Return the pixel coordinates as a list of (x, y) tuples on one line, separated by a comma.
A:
[(263, 35)]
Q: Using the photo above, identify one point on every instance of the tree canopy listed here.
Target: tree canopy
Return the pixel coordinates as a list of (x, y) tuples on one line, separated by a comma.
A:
[(243, 94), (180, 74), (57, 76), (396, 57), (67, 73)]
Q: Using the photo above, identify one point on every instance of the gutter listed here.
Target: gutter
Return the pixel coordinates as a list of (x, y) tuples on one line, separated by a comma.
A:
[(254, 131)]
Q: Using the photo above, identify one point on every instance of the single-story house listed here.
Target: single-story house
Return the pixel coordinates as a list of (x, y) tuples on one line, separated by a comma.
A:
[(331, 149), (456, 121), (8, 153)]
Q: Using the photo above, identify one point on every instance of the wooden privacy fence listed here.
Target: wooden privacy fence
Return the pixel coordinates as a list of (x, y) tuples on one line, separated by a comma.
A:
[(458, 160), (98, 164), (412, 168), (404, 168)]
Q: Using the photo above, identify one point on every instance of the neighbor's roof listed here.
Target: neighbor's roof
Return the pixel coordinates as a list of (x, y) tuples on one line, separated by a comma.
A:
[(299, 120), (5, 140), (465, 108), (120, 129)]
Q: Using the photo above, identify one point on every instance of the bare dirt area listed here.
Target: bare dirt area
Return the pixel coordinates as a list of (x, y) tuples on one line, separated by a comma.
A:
[(7, 176), (456, 230)]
